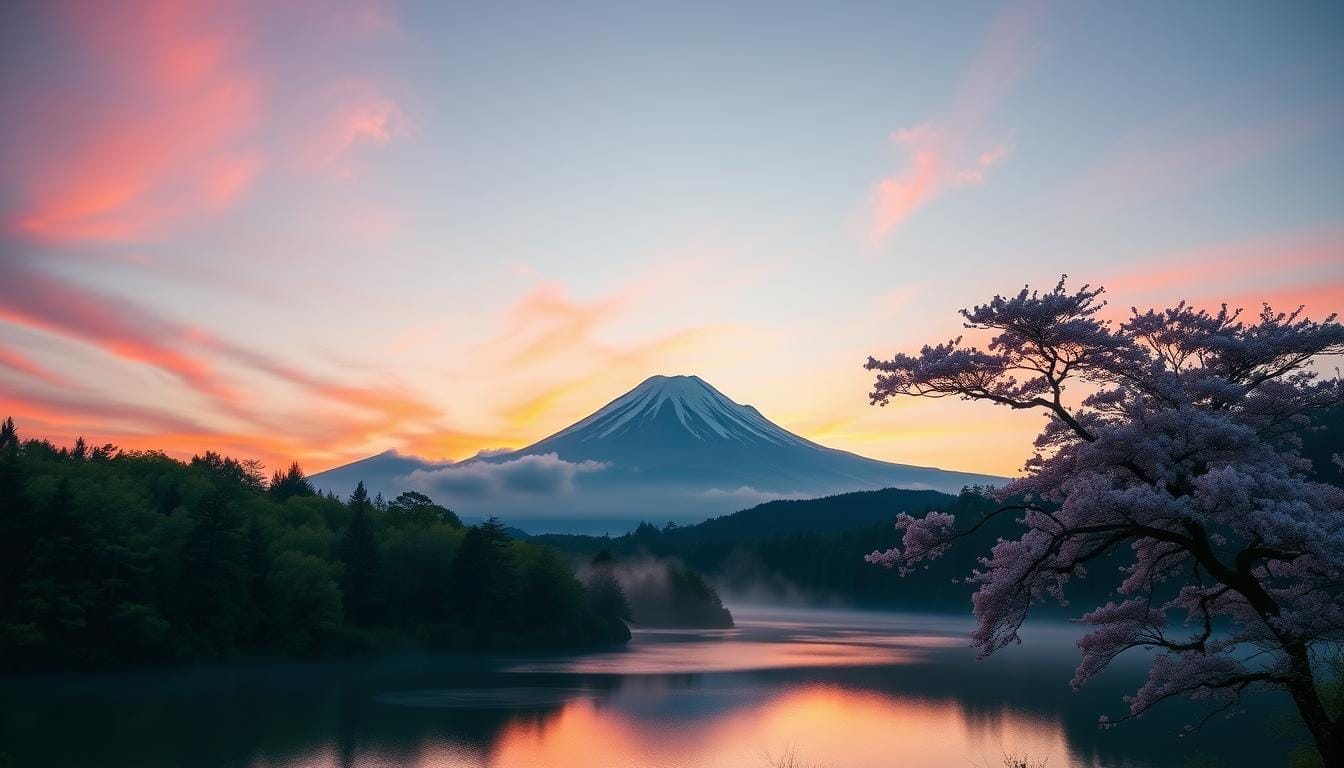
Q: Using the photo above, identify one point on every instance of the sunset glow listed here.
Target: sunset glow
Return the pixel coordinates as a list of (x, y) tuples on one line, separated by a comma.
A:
[(321, 231)]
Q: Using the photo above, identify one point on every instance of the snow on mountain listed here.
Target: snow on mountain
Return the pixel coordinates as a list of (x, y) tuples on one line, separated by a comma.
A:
[(672, 448), (701, 410)]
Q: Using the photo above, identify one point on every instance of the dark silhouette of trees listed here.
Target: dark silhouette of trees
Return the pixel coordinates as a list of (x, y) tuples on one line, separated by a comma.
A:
[(417, 509), (111, 556), (290, 483), (485, 578), (214, 595), (359, 552)]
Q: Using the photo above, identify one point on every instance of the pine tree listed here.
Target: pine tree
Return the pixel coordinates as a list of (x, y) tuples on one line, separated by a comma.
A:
[(16, 518), (359, 551), (213, 590), (289, 484), (484, 582)]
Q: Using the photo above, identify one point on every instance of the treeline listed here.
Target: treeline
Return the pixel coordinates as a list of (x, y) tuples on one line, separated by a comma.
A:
[(110, 556), (811, 551)]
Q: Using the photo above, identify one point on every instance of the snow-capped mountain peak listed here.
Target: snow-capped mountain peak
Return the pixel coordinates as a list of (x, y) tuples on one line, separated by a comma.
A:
[(673, 447), (701, 410)]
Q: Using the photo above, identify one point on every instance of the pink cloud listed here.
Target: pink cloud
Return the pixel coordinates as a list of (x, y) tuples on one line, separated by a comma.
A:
[(977, 173), (162, 134), (896, 197), (1285, 269), (358, 115), (40, 301), (939, 152), (18, 362), (44, 302)]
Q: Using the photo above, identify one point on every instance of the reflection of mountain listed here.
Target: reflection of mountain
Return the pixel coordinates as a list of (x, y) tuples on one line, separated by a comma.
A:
[(672, 448)]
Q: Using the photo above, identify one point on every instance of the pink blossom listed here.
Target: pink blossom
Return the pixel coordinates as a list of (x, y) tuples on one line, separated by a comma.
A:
[(1184, 453)]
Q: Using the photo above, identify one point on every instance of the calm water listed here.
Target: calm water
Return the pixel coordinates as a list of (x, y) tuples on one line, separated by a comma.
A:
[(843, 690)]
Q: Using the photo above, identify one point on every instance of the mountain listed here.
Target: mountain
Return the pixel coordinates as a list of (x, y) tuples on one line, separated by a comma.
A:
[(672, 448)]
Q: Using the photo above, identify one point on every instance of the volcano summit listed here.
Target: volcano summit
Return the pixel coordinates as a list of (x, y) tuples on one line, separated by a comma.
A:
[(672, 448)]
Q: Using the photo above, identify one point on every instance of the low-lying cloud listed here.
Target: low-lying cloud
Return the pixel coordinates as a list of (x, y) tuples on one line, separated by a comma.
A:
[(537, 475)]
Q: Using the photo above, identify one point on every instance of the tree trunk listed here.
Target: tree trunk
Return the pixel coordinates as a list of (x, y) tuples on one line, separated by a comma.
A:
[(1328, 735)]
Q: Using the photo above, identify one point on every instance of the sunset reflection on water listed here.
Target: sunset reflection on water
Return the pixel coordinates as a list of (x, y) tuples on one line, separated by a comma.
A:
[(821, 724), (728, 656), (729, 719), (833, 689)]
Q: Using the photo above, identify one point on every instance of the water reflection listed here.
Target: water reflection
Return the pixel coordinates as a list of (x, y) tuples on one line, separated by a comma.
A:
[(762, 642), (843, 690), (729, 656), (822, 723)]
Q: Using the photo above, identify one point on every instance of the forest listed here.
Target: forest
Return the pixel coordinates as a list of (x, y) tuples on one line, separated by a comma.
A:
[(112, 557)]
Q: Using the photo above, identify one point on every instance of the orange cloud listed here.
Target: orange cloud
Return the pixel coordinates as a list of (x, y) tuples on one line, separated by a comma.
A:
[(156, 123), (73, 414), (546, 322)]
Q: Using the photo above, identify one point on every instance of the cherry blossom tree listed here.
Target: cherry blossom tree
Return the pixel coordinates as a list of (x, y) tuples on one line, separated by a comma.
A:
[(1171, 444)]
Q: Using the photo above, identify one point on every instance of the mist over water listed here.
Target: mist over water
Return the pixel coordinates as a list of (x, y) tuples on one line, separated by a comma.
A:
[(835, 688)]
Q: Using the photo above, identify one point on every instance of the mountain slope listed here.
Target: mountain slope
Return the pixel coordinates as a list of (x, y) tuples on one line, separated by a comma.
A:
[(681, 429), (672, 448)]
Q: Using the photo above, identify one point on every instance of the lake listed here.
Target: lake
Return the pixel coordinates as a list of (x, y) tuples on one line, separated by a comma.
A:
[(825, 688)]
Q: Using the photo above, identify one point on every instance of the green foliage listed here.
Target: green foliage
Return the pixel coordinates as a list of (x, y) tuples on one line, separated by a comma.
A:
[(112, 557), (361, 579), (419, 511), (286, 485)]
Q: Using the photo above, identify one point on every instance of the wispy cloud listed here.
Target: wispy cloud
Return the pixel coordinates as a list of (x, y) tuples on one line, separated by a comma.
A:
[(1179, 153), (42, 301), (15, 361), (1286, 269), (164, 133), (216, 368), (947, 152), (358, 114)]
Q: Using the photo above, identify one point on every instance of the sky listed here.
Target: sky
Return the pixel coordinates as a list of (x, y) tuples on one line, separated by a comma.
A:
[(317, 231)]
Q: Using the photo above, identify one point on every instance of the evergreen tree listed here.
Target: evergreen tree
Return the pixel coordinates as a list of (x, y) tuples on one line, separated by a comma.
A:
[(9, 435), (16, 518), (290, 483), (214, 579), (485, 587), (257, 559), (359, 552)]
